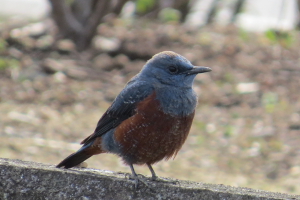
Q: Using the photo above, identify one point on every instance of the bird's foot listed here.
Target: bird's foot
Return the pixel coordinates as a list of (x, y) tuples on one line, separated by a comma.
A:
[(156, 178), (137, 179)]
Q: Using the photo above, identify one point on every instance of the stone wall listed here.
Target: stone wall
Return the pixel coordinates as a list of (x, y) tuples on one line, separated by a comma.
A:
[(29, 180)]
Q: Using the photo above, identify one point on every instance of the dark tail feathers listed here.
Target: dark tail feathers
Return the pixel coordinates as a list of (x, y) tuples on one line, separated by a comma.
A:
[(75, 158)]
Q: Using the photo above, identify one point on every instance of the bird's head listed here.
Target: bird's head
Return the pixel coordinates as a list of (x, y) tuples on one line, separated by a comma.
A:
[(172, 69)]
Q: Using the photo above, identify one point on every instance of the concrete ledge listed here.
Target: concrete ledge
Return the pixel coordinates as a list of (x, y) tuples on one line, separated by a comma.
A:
[(29, 180)]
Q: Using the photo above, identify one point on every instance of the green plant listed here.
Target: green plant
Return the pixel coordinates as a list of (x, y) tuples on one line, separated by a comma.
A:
[(2, 45), (269, 100), (8, 63), (169, 15), (143, 6), (228, 131), (3, 64), (243, 35), (282, 38)]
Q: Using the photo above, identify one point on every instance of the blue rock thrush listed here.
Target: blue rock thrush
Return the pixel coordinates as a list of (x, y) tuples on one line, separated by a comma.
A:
[(151, 117)]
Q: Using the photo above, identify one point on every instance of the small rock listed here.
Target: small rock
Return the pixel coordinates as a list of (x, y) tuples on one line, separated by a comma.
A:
[(295, 117), (76, 73), (44, 42), (243, 88), (104, 62), (15, 52), (29, 118), (52, 66), (60, 77), (121, 61), (31, 30), (210, 128), (16, 33), (66, 45), (106, 44), (295, 170), (36, 29), (28, 42), (9, 130)]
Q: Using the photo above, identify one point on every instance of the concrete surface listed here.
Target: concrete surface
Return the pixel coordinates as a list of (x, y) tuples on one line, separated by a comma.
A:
[(29, 180)]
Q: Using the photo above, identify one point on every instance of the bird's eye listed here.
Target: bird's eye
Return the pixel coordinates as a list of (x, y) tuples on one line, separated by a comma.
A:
[(173, 69)]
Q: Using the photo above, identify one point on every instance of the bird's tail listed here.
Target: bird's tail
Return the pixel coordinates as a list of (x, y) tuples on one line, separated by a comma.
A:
[(73, 160), (81, 155)]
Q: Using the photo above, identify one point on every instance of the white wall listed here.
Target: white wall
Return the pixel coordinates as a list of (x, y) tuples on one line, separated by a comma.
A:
[(32, 9), (258, 15)]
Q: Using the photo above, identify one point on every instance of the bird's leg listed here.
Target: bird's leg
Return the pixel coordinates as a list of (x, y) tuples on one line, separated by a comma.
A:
[(136, 178), (155, 177)]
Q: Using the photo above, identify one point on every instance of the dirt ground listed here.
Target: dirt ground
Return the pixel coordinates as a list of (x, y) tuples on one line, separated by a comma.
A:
[(246, 130)]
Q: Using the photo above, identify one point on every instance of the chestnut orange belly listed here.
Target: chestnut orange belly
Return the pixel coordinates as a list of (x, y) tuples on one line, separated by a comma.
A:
[(151, 135)]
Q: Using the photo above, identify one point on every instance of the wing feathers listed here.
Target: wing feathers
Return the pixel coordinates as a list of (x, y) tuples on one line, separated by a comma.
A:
[(121, 109)]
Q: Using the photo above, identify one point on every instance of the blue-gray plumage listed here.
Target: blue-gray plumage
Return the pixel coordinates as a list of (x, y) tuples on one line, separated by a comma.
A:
[(151, 117)]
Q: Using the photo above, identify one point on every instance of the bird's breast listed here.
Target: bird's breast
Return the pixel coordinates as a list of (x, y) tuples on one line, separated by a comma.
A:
[(176, 101), (151, 134)]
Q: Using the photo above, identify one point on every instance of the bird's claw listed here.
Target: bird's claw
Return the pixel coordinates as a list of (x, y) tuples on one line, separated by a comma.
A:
[(136, 178)]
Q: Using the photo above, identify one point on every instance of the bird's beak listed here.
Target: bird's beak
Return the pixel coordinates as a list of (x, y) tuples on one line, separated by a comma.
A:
[(198, 70)]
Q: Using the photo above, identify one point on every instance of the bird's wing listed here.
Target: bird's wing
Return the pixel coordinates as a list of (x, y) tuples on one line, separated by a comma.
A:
[(122, 108)]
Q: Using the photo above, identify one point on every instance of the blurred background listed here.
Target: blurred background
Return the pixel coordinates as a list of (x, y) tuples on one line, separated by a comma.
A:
[(63, 62)]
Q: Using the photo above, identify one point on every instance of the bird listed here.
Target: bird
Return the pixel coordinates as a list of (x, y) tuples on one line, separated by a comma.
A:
[(150, 118)]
